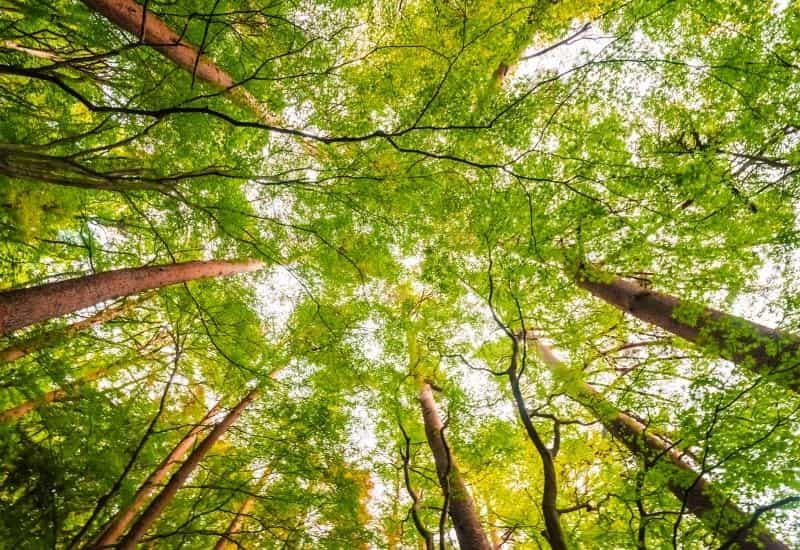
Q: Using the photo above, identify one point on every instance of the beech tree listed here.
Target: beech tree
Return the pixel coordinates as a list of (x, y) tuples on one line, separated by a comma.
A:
[(458, 501), (121, 521), (418, 192), (22, 307), (762, 349), (165, 496)]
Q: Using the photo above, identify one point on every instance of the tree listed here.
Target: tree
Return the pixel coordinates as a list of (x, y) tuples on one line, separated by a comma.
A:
[(36, 342), (762, 349), (458, 501), (67, 392), (162, 500), (115, 528), (555, 535), (151, 30), (24, 307), (415, 175), (241, 514), (696, 493)]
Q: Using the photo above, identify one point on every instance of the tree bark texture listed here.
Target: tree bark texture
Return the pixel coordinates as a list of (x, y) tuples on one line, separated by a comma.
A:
[(51, 338), (167, 494), (467, 525), (23, 307), (762, 349)]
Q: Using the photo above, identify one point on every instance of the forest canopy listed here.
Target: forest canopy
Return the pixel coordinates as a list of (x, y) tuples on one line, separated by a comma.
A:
[(432, 274)]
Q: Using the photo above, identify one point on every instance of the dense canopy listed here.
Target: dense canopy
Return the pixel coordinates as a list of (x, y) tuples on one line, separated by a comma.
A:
[(471, 274)]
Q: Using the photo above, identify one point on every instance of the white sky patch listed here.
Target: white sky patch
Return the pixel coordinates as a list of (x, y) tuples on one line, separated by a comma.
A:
[(278, 292), (363, 426), (563, 57), (779, 6)]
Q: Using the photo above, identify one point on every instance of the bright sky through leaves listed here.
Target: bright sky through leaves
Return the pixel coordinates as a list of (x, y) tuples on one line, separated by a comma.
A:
[(537, 214)]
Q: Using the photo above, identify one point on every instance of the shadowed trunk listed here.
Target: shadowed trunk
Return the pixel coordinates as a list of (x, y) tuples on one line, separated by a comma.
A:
[(160, 502), (467, 525), (702, 499), (119, 523), (762, 349), (23, 307), (35, 166), (235, 526), (53, 337), (555, 535), (153, 31), (15, 413), (60, 394)]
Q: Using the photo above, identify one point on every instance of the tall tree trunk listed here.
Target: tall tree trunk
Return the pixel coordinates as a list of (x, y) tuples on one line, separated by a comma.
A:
[(224, 542), (60, 394), (114, 529), (702, 499), (151, 30), (26, 306), (160, 502), (36, 166), (762, 349), (51, 338), (555, 535), (468, 528)]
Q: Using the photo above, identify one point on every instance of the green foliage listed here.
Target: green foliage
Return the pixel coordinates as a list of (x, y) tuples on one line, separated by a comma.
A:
[(422, 180)]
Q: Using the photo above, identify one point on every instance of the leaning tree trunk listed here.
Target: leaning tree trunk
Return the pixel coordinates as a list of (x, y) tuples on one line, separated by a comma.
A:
[(702, 498), (552, 522), (66, 392), (762, 349), (114, 529), (224, 542), (467, 525), (23, 307), (51, 338), (60, 394), (153, 31), (157, 506)]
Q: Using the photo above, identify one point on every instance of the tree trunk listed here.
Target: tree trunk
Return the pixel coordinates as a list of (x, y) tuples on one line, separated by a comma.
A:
[(53, 337), (468, 528), (762, 349), (153, 511), (555, 535), (26, 306), (17, 162), (236, 523), (114, 529), (151, 30), (60, 394), (702, 499), (15, 413)]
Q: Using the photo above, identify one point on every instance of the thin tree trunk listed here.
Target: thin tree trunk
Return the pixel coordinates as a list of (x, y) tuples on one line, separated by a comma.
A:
[(467, 525), (160, 502), (23, 307), (702, 499), (151, 30), (53, 337), (60, 394), (555, 535), (114, 529), (236, 523), (17, 162), (762, 349)]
